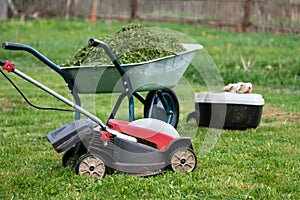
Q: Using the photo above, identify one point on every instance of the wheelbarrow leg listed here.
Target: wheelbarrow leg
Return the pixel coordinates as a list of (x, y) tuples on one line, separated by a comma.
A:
[(165, 104)]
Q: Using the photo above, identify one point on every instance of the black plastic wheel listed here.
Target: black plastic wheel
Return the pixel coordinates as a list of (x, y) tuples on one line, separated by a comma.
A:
[(71, 156), (183, 160), (67, 157), (91, 166), (154, 107)]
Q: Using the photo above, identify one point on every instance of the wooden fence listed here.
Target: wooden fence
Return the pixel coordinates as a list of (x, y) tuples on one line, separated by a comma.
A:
[(261, 15)]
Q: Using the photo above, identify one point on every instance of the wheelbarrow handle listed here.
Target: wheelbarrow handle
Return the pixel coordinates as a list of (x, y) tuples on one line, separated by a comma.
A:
[(38, 55), (12, 46), (126, 81), (94, 43)]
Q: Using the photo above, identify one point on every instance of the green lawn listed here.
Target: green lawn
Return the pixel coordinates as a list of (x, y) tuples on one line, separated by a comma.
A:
[(261, 163)]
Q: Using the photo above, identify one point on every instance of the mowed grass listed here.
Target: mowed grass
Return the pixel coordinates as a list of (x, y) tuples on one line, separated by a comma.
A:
[(261, 163)]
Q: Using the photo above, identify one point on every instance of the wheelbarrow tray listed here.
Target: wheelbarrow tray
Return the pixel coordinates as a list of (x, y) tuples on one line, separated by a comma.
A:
[(155, 74)]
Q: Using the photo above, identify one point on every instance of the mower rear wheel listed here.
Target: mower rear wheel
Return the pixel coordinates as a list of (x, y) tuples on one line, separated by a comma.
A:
[(91, 166), (183, 160), (68, 159), (72, 154)]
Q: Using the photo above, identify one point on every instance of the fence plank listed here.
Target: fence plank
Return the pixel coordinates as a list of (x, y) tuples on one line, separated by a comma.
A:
[(3, 9), (264, 15)]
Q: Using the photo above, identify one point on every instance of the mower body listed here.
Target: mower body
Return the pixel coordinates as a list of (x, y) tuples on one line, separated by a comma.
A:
[(123, 147)]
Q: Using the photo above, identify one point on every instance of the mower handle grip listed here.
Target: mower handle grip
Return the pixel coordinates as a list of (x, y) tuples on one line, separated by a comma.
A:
[(12, 46)]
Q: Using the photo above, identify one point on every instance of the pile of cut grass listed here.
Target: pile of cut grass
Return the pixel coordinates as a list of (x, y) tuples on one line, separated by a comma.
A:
[(131, 44)]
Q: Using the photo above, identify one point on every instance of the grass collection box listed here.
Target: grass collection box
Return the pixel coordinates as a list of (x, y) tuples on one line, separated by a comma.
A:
[(228, 110)]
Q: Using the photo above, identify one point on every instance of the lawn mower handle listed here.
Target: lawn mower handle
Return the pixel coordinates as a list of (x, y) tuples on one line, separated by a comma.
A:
[(10, 68), (12, 46), (6, 65), (2, 62)]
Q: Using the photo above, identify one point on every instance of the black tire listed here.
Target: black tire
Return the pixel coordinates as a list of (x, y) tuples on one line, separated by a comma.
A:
[(183, 160), (67, 157), (70, 156), (91, 166), (153, 107)]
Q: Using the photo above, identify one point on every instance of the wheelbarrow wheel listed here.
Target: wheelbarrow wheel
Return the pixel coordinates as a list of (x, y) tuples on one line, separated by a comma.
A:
[(183, 160), (91, 166), (155, 108)]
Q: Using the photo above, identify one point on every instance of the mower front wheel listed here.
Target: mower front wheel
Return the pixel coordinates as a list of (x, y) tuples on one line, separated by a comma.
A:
[(183, 160), (91, 166)]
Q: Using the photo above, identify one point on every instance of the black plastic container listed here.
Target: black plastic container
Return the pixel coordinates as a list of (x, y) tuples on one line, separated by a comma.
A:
[(228, 110)]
